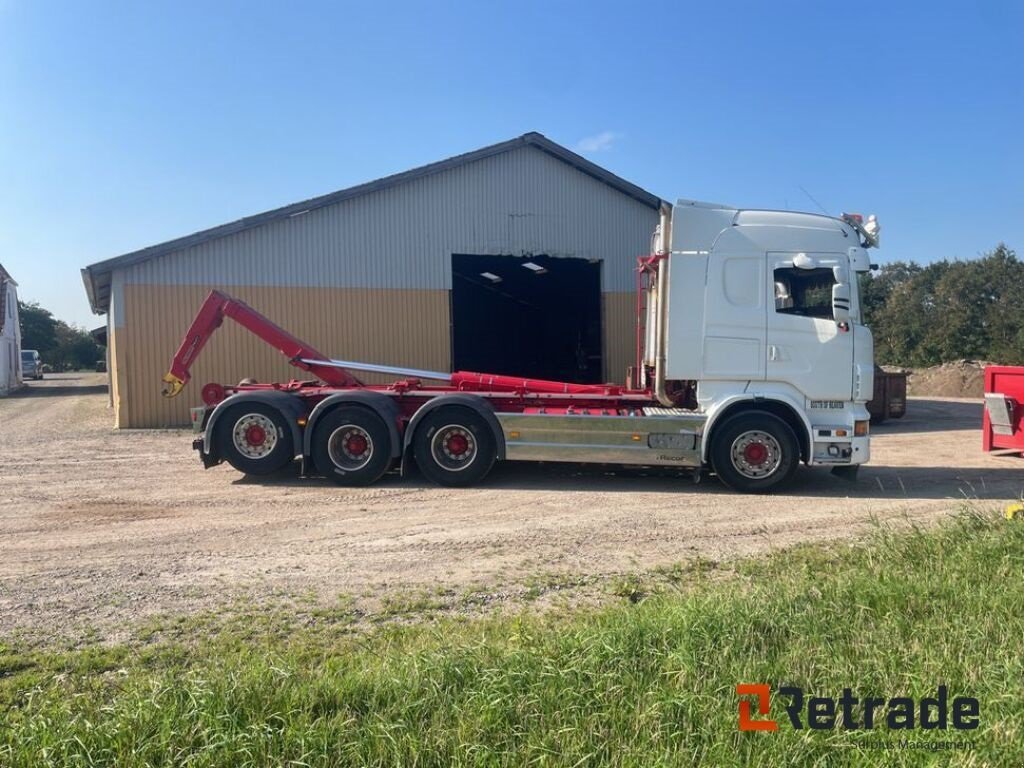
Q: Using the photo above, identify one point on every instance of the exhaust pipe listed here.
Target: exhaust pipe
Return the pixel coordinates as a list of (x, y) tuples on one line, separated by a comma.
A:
[(664, 248)]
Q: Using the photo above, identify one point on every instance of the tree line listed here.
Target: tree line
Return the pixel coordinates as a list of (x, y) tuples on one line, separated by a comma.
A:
[(62, 346), (947, 310)]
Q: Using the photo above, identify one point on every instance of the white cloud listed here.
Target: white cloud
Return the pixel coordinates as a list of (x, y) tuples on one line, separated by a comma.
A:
[(599, 142)]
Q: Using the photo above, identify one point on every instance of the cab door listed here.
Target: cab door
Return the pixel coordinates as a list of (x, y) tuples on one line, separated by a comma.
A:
[(806, 347), (734, 324)]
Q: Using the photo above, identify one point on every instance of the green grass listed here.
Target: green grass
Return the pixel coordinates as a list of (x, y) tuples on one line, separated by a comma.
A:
[(649, 680)]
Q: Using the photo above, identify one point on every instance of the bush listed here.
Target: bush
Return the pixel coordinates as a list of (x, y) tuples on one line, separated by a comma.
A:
[(63, 346)]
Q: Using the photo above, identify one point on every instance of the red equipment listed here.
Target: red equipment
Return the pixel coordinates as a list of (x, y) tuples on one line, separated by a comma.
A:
[(218, 306), (1003, 421), (334, 375)]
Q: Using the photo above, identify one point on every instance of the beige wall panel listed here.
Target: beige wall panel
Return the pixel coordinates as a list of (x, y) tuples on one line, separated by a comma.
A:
[(619, 335), (387, 326), (118, 372), (397, 327)]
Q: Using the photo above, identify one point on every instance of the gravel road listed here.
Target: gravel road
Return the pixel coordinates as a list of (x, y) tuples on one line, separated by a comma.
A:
[(101, 528)]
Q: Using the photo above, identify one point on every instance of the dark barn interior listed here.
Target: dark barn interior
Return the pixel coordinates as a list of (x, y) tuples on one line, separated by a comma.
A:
[(535, 316)]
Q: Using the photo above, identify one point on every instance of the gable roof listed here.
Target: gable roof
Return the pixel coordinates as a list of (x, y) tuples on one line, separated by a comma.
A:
[(97, 277)]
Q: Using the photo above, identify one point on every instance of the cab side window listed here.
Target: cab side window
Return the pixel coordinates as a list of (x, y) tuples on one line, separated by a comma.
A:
[(804, 292)]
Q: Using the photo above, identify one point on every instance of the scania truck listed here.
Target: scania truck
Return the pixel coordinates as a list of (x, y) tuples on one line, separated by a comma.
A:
[(752, 358)]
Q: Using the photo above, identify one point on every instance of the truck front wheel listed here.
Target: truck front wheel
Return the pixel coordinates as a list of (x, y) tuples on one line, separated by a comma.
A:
[(755, 453), (454, 446), (255, 439), (351, 446)]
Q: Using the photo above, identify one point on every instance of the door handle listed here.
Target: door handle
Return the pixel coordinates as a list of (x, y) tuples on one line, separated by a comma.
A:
[(773, 352)]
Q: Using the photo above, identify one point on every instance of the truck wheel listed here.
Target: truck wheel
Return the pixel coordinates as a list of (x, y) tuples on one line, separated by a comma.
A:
[(755, 453), (255, 439), (351, 446), (454, 446)]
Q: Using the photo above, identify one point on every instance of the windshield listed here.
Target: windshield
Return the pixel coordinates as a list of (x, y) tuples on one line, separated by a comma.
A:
[(28, 357)]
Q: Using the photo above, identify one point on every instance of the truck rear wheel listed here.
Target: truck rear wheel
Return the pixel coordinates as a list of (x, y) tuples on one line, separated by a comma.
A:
[(755, 453), (255, 439), (454, 446), (351, 446)]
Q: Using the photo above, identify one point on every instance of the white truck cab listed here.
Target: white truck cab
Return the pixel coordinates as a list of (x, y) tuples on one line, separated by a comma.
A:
[(761, 313)]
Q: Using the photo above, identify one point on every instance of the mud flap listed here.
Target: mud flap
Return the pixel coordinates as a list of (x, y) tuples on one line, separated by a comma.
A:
[(848, 472), (208, 459)]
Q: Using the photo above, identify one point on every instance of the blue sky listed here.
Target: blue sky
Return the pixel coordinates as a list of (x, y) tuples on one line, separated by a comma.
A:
[(126, 124)]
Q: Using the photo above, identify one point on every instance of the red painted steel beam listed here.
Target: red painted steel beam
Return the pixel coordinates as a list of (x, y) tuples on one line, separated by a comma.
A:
[(208, 319), (489, 382)]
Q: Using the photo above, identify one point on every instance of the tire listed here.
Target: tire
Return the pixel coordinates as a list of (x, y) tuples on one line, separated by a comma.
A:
[(351, 446), (454, 446), (755, 452), (255, 439)]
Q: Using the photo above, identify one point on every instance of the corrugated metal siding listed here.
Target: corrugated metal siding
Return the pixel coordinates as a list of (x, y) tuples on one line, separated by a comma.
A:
[(399, 327), (523, 201), (368, 278), (619, 335)]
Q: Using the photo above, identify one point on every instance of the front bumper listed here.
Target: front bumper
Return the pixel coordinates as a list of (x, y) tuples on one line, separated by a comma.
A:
[(831, 451), (861, 450)]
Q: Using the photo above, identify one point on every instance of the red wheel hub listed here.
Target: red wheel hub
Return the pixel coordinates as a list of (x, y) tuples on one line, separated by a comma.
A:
[(755, 453), (458, 444), (255, 435), (356, 445)]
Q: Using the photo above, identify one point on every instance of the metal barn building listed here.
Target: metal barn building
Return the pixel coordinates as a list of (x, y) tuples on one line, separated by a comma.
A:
[(517, 258)]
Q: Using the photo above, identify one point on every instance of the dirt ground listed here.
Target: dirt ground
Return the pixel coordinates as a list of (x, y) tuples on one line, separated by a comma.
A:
[(100, 528)]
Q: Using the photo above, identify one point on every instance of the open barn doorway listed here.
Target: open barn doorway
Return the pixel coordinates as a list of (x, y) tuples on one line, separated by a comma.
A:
[(531, 316)]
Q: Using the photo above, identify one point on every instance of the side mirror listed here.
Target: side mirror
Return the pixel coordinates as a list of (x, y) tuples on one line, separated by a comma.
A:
[(841, 303)]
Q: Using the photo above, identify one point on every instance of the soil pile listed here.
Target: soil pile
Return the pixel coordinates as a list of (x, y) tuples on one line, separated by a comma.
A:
[(959, 378)]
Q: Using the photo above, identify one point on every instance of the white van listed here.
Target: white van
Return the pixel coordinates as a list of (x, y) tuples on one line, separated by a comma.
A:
[(31, 364)]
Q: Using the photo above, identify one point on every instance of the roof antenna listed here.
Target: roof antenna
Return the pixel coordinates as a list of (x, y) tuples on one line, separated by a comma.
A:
[(811, 197)]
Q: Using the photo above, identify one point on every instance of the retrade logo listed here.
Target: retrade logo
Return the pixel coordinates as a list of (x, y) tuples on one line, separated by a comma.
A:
[(849, 712), (762, 692)]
